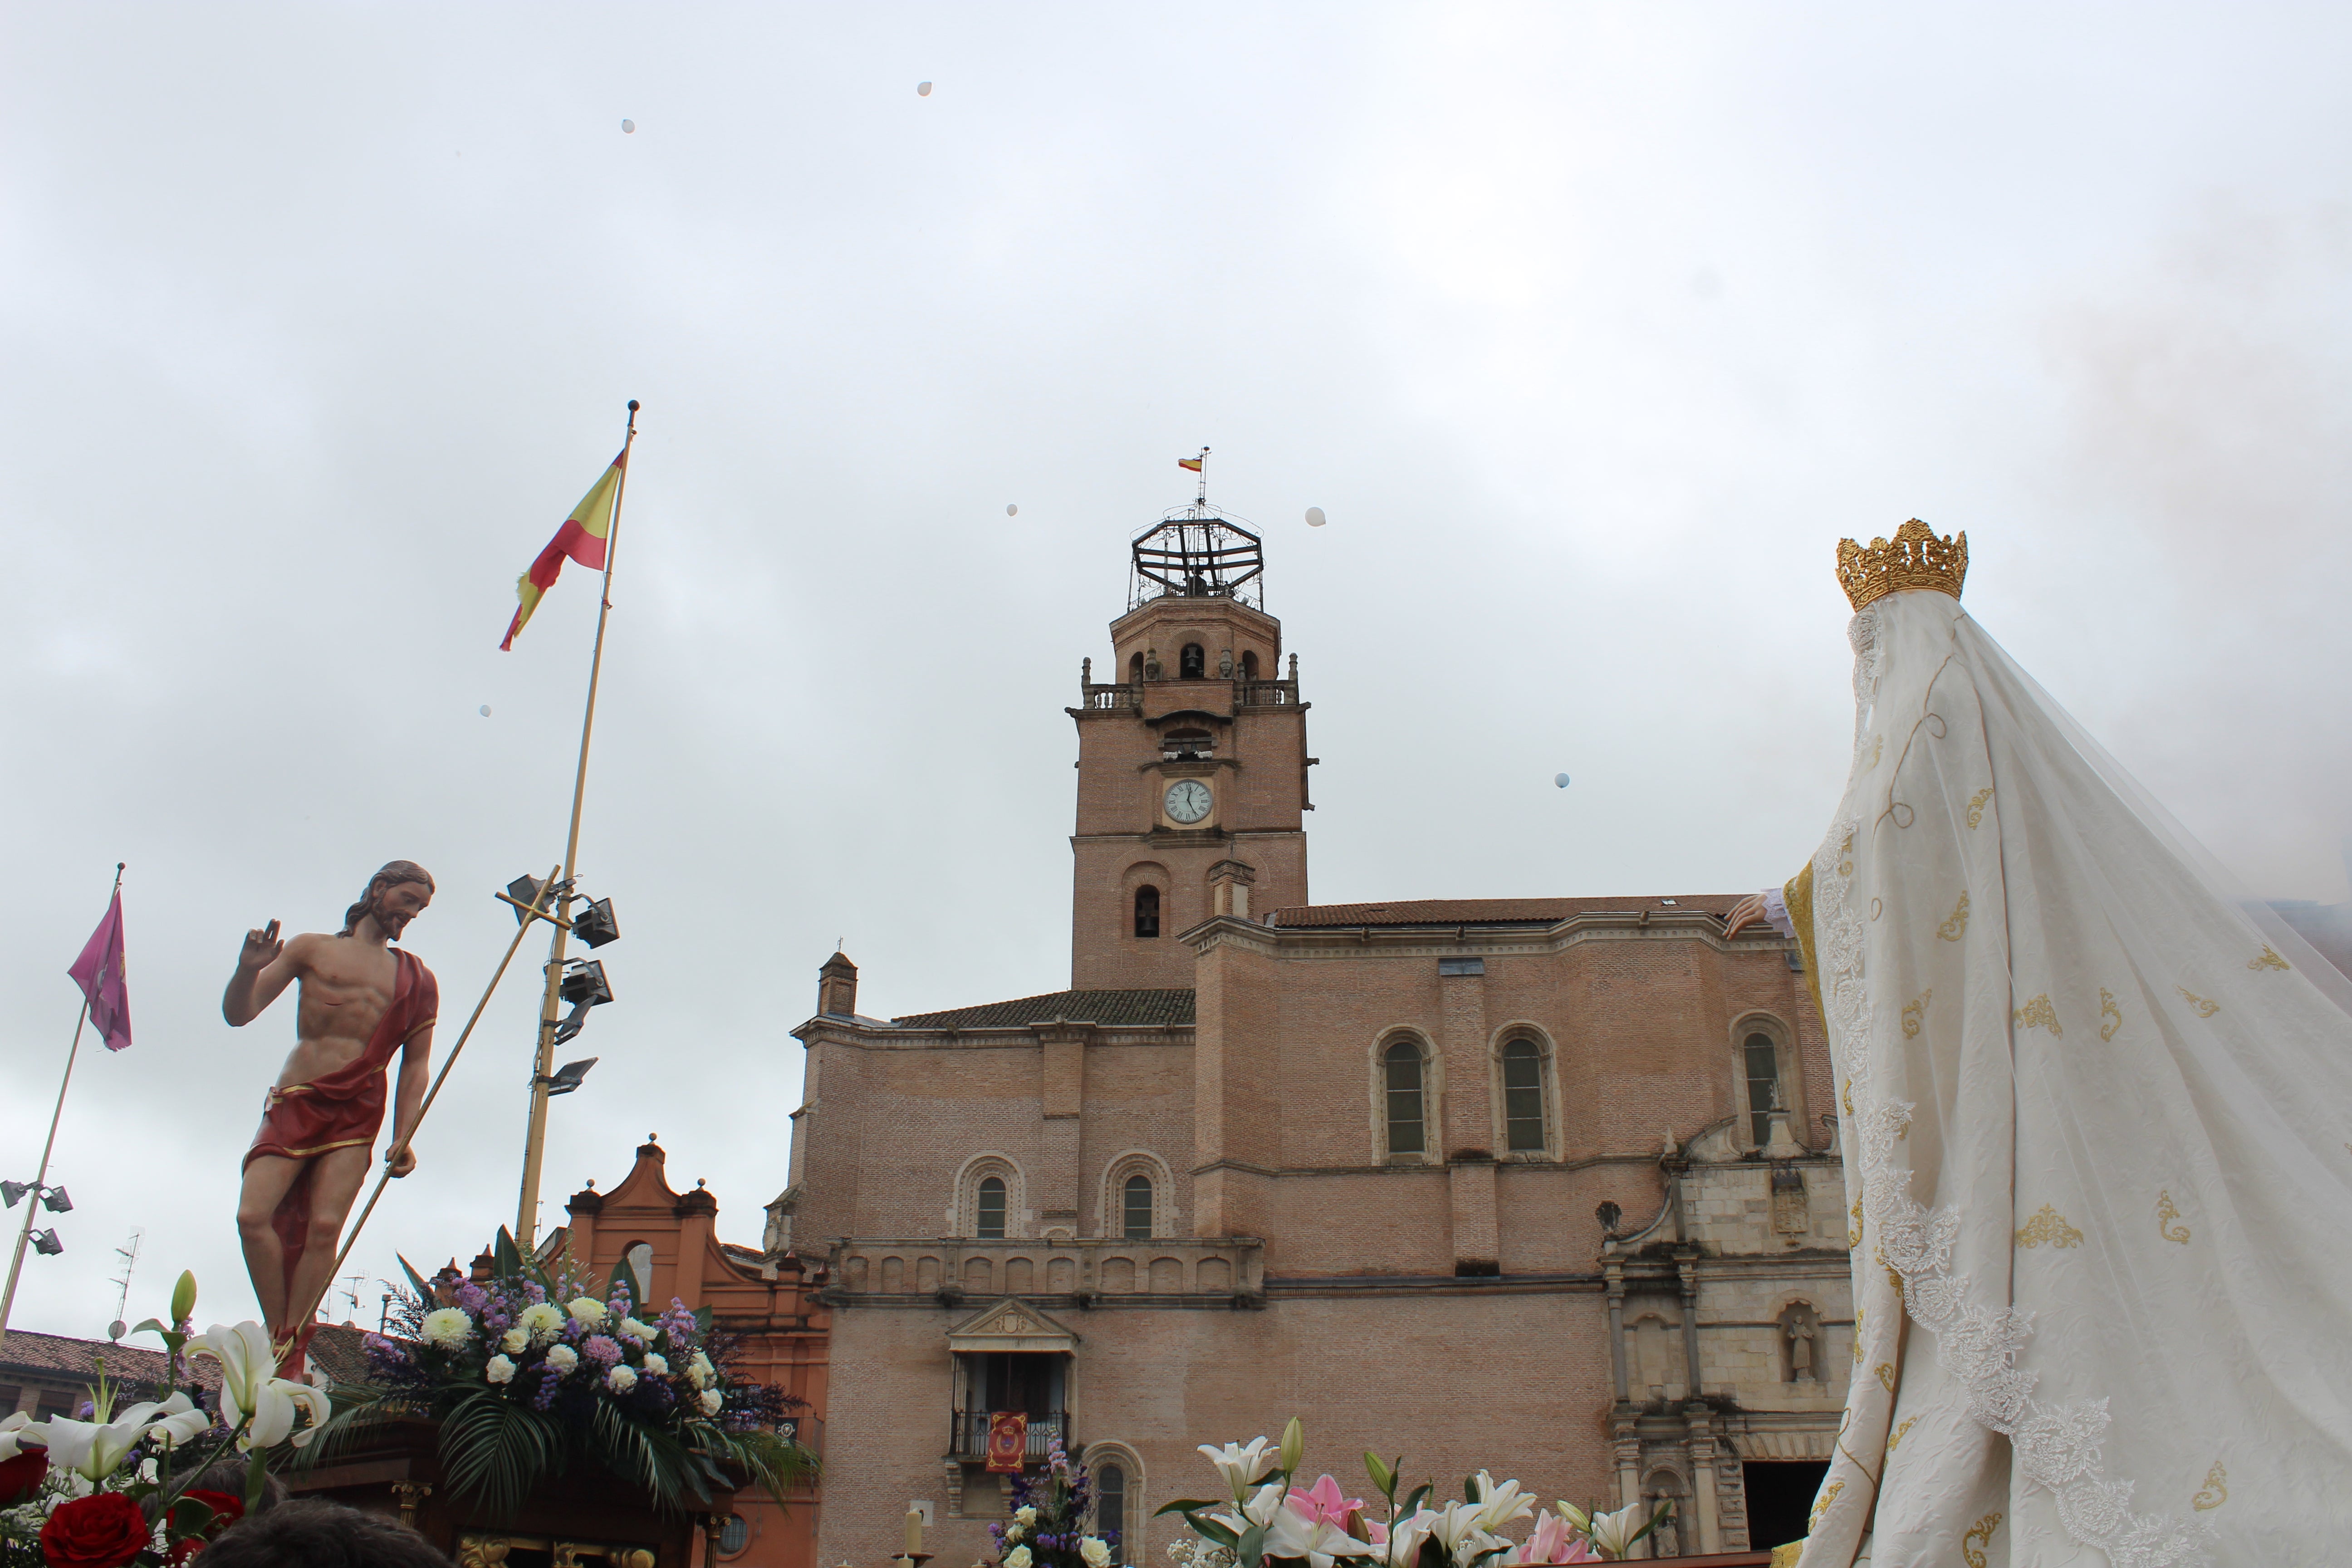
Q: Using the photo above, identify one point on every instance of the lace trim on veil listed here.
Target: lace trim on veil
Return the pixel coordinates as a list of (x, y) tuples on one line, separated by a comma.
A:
[(2057, 1446)]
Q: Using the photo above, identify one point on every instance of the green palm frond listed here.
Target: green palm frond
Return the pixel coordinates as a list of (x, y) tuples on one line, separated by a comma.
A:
[(496, 1451), (776, 1463)]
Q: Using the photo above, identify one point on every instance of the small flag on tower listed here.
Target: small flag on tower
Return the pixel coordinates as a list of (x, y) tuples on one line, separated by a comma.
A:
[(99, 972), (1191, 463), (581, 538)]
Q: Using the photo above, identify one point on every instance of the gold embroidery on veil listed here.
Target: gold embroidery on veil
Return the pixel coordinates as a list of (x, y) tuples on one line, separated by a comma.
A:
[(2038, 1013), (2206, 1007), (2269, 960), (2112, 1014), (1977, 805), (2048, 1225), (2167, 1211), (1914, 1012), (2216, 1492), (1951, 929), (1980, 1532)]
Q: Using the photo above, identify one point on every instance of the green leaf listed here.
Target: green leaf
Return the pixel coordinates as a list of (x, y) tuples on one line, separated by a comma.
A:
[(1187, 1505), (1208, 1529), (496, 1452), (1489, 1556), (256, 1480), (1432, 1553), (1415, 1499), (1383, 1478), (1251, 1547), (416, 1281), (1470, 1490), (506, 1258)]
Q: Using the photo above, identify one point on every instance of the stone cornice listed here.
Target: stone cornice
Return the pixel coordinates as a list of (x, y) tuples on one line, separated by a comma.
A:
[(1469, 939)]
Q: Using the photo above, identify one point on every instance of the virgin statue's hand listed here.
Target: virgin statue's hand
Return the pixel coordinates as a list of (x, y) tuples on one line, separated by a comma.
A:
[(401, 1161), (1747, 912), (262, 949)]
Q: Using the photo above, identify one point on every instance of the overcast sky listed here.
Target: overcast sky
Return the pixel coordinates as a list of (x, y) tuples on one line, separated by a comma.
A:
[(1591, 328)]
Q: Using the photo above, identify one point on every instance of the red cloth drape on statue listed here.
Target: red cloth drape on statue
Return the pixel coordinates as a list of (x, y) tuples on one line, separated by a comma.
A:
[(1008, 1441), (340, 1108)]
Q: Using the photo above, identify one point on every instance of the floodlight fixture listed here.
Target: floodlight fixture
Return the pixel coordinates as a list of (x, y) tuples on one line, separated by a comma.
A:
[(47, 1244), (14, 1192), (55, 1200), (585, 987), (523, 890), (594, 925), (569, 1077)]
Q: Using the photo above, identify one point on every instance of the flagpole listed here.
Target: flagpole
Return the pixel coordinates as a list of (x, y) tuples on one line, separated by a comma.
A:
[(535, 1140), (33, 1197)]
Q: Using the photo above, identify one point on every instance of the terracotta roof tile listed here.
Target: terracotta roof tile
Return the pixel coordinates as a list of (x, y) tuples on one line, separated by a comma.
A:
[(1079, 1006), (1494, 911)]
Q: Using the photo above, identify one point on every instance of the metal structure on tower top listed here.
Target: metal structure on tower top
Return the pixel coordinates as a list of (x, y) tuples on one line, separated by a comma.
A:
[(1197, 552)]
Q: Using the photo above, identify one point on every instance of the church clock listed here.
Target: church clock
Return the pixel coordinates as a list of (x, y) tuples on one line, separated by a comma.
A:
[(1187, 801)]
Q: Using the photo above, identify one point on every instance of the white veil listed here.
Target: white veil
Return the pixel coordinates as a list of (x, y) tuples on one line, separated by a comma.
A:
[(2097, 1113)]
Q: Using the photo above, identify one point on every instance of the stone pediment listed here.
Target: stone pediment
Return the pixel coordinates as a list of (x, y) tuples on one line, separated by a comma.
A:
[(1010, 1324)]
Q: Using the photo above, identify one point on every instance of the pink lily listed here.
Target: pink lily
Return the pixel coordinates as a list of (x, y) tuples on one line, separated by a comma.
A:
[(1554, 1540), (1322, 1502)]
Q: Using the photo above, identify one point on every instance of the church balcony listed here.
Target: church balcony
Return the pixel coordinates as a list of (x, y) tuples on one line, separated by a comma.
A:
[(967, 1434), (1121, 694), (1269, 693), (1084, 1272)]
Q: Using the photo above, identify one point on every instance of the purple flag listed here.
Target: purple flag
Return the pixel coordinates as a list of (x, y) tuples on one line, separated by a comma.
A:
[(99, 972)]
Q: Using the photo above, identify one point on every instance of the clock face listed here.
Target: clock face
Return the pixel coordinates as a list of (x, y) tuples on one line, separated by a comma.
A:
[(1187, 801)]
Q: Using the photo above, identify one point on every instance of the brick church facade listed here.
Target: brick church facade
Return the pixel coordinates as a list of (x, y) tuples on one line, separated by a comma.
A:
[(1544, 1184)]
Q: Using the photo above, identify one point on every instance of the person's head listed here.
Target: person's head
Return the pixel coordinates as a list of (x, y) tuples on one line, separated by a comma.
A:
[(395, 896), (228, 1475), (320, 1535)]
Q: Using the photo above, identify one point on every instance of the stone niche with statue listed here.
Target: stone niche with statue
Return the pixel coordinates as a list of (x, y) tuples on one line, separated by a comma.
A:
[(585, 1519)]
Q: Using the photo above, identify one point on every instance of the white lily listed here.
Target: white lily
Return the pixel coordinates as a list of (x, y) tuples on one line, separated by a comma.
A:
[(1294, 1532), (1501, 1502), (95, 1449), (1613, 1532), (9, 1430), (1405, 1537), (1242, 1466), (251, 1387), (1457, 1529)]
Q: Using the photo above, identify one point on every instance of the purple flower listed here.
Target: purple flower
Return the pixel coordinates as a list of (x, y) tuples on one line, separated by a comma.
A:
[(602, 1347), (471, 1297)]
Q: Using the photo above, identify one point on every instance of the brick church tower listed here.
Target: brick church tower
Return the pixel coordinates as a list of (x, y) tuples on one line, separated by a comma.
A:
[(1191, 767)]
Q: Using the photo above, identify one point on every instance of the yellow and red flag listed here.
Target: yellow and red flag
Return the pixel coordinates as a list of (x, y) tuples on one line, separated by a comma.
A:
[(1191, 463), (581, 538)]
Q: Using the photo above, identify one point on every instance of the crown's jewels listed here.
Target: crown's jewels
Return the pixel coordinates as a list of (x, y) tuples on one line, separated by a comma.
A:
[(1915, 559)]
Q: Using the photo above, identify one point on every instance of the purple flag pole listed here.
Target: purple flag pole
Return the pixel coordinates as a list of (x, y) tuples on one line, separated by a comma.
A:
[(99, 972)]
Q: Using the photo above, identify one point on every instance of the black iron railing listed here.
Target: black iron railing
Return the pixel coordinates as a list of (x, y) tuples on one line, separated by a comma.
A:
[(967, 1434)]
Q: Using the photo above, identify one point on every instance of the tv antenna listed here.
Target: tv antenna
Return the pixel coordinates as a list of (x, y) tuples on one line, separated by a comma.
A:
[(130, 1255), (351, 1292)]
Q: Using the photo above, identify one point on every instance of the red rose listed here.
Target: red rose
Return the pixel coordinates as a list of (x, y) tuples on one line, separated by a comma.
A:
[(105, 1529), (226, 1510), (22, 1475)]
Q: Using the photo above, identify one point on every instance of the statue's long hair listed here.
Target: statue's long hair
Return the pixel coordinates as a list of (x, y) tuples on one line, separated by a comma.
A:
[(394, 874)]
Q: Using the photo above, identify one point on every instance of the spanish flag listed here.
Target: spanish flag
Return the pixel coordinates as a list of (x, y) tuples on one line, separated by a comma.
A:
[(582, 537), (1191, 463)]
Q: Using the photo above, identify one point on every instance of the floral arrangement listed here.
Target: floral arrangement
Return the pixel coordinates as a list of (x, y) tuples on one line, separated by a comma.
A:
[(1048, 1529), (534, 1369), (119, 1489), (1270, 1519)]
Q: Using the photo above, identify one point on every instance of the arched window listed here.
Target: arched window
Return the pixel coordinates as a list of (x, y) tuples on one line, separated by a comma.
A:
[(989, 1211), (1523, 1096), (1110, 1505), (1135, 1208), (1400, 1065), (1249, 664), (1763, 1086), (1192, 663), (1147, 911)]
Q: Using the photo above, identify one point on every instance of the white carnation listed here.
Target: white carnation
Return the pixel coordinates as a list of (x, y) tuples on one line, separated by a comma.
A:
[(641, 1333), (563, 1358), (711, 1400), (655, 1365), (513, 1341), (447, 1328), (620, 1380), (589, 1312), (499, 1369)]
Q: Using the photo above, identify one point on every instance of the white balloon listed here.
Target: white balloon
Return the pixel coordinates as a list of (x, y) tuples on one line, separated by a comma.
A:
[(1561, 780), (922, 89), (1012, 510), (628, 127), (1315, 518), (486, 709)]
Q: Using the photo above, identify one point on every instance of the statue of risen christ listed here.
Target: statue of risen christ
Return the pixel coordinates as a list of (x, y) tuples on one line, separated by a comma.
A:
[(359, 1003)]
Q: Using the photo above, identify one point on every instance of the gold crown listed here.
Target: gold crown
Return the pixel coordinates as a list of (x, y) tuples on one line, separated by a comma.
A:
[(1916, 559)]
